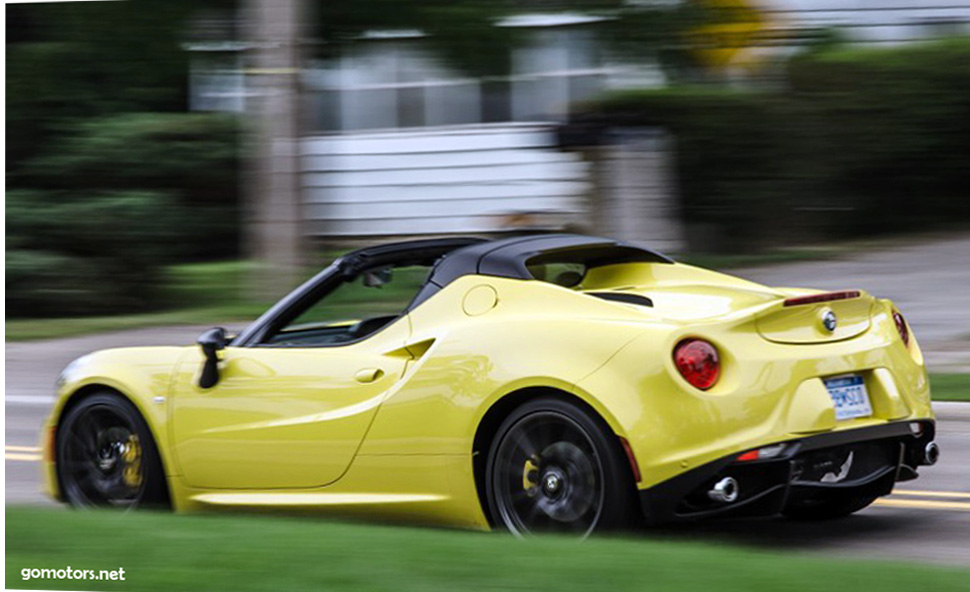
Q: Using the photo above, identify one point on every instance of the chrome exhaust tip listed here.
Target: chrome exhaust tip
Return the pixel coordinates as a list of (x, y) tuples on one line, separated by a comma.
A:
[(931, 454), (725, 491)]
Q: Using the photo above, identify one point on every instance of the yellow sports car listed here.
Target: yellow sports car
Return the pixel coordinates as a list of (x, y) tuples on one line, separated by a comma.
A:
[(539, 383)]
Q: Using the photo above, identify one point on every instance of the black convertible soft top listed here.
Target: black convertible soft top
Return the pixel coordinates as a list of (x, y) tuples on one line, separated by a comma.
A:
[(510, 257)]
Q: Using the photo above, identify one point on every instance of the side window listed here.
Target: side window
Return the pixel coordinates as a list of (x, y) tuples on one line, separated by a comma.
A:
[(358, 307)]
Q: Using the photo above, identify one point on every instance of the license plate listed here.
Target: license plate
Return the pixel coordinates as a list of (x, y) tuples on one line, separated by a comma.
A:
[(849, 396)]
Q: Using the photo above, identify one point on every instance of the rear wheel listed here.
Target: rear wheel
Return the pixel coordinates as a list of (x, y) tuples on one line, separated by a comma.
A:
[(553, 468), (106, 456)]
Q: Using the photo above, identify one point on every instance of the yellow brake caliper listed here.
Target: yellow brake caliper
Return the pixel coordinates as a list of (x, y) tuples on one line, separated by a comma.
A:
[(132, 458), (530, 475)]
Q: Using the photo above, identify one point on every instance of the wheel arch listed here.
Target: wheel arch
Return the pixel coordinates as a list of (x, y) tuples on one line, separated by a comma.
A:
[(84, 392), (502, 407)]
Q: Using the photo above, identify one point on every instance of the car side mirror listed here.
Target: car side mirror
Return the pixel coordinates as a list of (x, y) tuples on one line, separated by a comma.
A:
[(211, 342)]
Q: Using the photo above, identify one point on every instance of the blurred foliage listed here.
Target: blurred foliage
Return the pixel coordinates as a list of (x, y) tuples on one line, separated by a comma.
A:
[(119, 197), (893, 127), (144, 149), (109, 178), (81, 255), (84, 59), (203, 293), (463, 31), (860, 142), (192, 158), (206, 293), (659, 32)]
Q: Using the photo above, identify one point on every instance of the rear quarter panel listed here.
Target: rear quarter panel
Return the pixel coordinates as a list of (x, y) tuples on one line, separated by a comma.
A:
[(767, 392)]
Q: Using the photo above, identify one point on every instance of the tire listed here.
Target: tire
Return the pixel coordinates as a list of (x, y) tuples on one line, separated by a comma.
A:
[(105, 456), (829, 508), (554, 468)]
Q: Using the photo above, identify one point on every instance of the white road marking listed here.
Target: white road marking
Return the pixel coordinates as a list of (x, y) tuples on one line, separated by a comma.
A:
[(19, 456), (927, 493), (923, 504), (28, 400), (12, 448)]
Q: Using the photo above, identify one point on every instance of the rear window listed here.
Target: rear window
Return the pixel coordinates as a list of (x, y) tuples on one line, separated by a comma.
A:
[(568, 267), (565, 274)]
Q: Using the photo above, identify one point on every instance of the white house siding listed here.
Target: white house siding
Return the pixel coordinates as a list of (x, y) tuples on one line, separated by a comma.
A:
[(449, 179), (873, 22)]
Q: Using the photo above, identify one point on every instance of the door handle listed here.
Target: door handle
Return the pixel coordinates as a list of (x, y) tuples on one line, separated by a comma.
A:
[(368, 375)]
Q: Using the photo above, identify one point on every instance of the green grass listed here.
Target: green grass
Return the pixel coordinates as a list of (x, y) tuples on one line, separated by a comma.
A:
[(199, 293), (950, 387), (170, 552)]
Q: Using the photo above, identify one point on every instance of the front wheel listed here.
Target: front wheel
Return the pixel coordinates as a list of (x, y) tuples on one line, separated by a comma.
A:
[(106, 456), (553, 468)]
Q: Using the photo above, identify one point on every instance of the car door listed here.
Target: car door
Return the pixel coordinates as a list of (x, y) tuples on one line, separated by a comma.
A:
[(292, 410)]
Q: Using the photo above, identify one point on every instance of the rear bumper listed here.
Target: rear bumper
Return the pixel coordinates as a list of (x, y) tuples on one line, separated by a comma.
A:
[(808, 467)]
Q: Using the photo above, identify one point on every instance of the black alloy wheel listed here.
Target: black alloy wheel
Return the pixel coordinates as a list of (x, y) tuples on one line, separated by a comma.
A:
[(553, 468), (106, 456)]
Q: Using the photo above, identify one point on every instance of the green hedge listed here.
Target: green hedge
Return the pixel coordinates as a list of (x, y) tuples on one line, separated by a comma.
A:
[(88, 254), (192, 157), (92, 222), (858, 142)]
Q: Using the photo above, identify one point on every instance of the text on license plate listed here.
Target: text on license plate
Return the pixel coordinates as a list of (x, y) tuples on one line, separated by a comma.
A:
[(849, 396)]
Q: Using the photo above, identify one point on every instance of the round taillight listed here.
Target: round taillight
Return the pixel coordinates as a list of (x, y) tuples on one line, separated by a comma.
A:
[(901, 327), (697, 362)]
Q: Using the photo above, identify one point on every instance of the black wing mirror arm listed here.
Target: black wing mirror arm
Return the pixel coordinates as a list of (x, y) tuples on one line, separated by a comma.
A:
[(211, 342)]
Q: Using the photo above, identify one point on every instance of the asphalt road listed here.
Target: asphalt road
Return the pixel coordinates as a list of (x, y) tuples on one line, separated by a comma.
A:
[(926, 520)]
